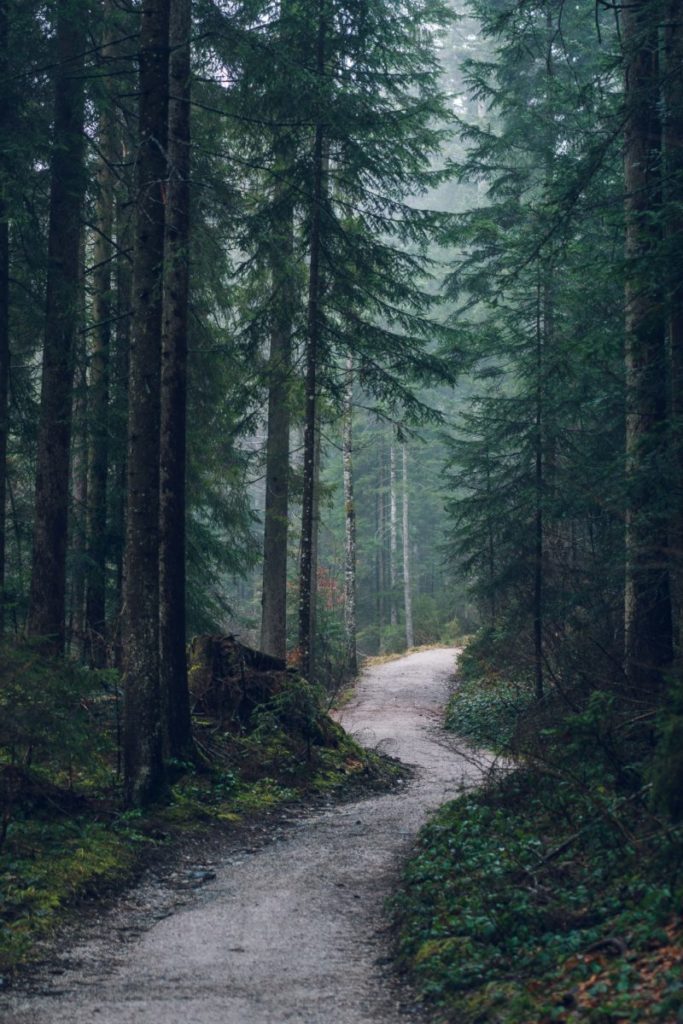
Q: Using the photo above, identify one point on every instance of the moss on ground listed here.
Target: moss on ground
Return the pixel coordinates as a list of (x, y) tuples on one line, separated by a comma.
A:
[(67, 838)]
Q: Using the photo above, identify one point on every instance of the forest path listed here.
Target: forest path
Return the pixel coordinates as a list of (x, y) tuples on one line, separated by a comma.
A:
[(297, 931)]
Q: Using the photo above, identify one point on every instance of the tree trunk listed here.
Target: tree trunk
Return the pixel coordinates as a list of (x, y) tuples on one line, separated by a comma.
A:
[(648, 620), (276, 511), (407, 594), (673, 163), (5, 116), (79, 471), (67, 184), (99, 371), (393, 533), (538, 500), (275, 534), (311, 381), (143, 714), (350, 626), (172, 583), (119, 412)]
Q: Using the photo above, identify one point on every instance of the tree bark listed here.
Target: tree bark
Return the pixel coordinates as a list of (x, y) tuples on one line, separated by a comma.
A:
[(673, 164), (407, 593), (67, 185), (350, 624), (5, 121), (119, 411), (79, 471), (172, 626), (393, 533), (99, 371), (311, 381), (276, 512), (648, 619), (538, 500), (143, 713)]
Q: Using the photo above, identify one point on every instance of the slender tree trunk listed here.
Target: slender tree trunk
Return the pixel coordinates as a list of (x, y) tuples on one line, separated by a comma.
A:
[(379, 550), (538, 499), (119, 412), (99, 371), (648, 620), (311, 381), (5, 117), (407, 593), (673, 163), (393, 532), (350, 625), (79, 471), (276, 511), (67, 184), (275, 535), (172, 581), (491, 547), (143, 714)]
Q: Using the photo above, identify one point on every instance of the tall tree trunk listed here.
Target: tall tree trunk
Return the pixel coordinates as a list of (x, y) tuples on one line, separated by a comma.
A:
[(172, 581), (79, 471), (5, 123), (381, 547), (143, 714), (119, 411), (407, 593), (350, 624), (99, 370), (538, 500), (648, 620), (276, 511), (67, 184), (673, 164), (393, 533), (5, 120), (311, 381), (276, 521)]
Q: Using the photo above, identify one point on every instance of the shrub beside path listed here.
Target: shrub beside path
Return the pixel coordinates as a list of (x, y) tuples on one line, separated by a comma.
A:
[(294, 932)]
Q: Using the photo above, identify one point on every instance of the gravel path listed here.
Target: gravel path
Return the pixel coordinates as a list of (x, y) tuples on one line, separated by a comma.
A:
[(294, 932)]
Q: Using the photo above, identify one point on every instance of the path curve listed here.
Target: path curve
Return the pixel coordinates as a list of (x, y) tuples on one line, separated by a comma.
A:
[(295, 933)]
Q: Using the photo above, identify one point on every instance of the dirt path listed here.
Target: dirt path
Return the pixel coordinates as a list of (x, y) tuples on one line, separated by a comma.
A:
[(294, 931)]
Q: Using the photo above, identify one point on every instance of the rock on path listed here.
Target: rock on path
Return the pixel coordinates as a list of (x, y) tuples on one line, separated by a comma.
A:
[(297, 932)]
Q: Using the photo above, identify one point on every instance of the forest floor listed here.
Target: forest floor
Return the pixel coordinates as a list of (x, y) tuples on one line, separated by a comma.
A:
[(291, 927)]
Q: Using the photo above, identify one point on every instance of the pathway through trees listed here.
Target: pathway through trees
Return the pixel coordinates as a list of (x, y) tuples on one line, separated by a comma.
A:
[(295, 931)]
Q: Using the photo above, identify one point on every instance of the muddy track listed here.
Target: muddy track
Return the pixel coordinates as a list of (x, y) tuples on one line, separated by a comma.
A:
[(291, 931)]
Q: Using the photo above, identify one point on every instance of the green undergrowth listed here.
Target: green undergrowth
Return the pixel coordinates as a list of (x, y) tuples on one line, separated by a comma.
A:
[(554, 893), (64, 835), (484, 706), (518, 896)]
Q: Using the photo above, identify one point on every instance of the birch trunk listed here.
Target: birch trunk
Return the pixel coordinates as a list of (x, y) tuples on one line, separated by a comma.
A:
[(393, 533), (407, 593), (350, 625)]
